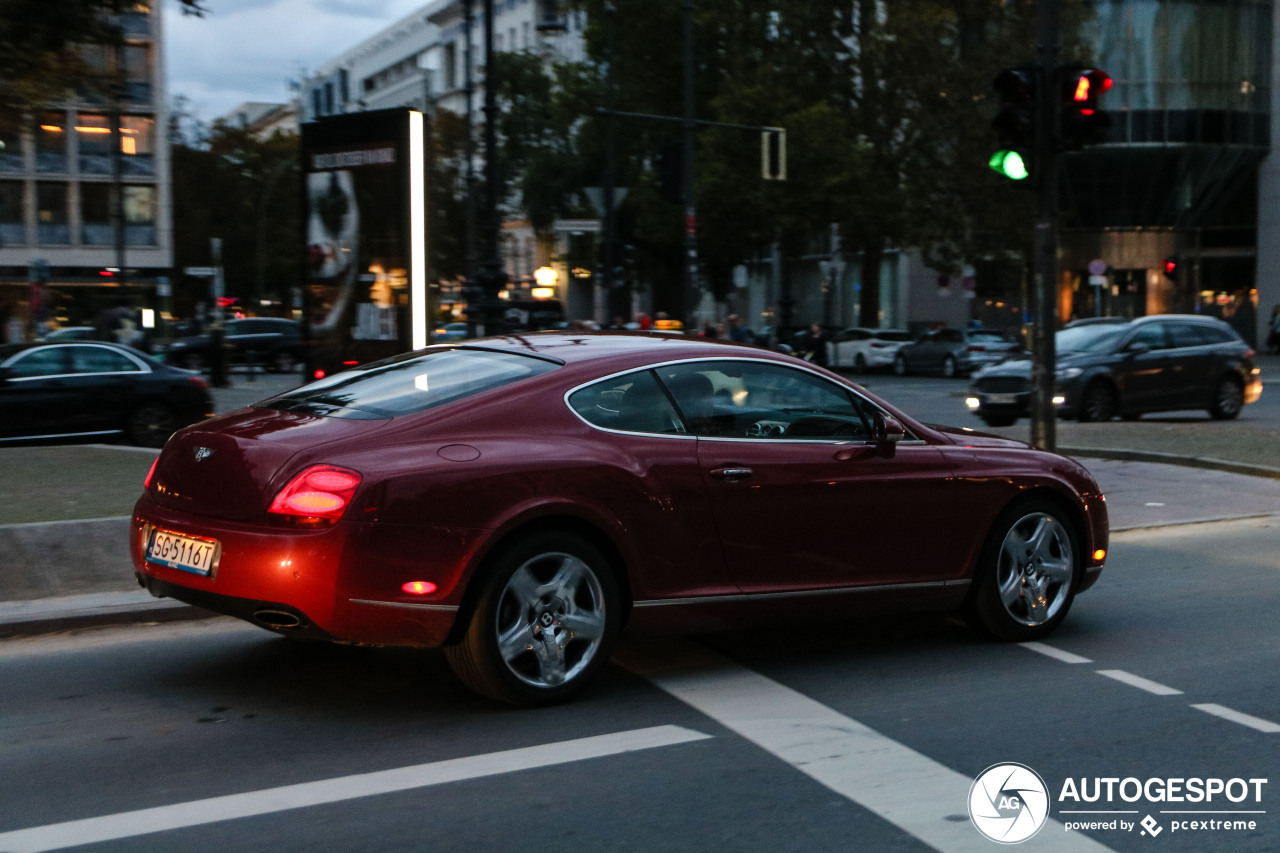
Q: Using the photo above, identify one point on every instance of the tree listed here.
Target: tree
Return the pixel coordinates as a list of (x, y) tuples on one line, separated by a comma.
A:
[(43, 55)]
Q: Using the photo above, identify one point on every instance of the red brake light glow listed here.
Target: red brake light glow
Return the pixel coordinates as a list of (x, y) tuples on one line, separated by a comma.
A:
[(146, 484), (316, 497)]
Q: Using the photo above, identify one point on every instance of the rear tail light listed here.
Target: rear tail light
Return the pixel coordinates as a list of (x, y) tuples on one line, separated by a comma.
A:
[(199, 382), (146, 484), (317, 497), (976, 348), (1249, 353), (319, 374)]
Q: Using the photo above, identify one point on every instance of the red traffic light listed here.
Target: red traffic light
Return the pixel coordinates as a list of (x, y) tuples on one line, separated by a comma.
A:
[(1084, 86), (1171, 267)]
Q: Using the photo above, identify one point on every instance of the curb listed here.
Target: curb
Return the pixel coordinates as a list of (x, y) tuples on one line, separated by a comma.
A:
[(63, 613)]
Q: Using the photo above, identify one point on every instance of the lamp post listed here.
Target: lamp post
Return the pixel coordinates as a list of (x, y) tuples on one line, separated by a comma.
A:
[(493, 276)]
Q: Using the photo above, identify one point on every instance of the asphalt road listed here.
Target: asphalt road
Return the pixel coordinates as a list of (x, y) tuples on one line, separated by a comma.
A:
[(859, 736)]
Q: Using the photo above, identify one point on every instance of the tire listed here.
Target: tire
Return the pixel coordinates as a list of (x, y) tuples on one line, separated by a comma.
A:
[(899, 365), (1098, 403), (151, 424), (1228, 399), (1028, 572), (949, 368), (546, 587), (860, 364), (999, 420), (284, 362)]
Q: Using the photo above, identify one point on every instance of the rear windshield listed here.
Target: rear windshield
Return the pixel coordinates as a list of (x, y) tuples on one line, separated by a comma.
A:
[(408, 383), (893, 335)]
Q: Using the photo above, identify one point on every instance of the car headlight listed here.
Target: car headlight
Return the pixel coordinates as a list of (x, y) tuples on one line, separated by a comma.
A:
[(1070, 372)]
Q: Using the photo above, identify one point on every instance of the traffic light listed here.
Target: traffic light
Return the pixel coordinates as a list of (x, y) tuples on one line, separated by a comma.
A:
[(1171, 268), (1083, 120), (773, 154), (1015, 123)]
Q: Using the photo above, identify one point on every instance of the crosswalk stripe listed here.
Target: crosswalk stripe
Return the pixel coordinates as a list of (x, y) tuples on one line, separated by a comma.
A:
[(182, 815), (902, 786)]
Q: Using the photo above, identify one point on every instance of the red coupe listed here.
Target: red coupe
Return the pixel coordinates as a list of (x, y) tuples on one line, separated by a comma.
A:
[(521, 500)]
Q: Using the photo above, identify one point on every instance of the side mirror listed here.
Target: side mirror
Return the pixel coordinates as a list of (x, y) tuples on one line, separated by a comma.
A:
[(886, 433), (4, 375), (1137, 348)]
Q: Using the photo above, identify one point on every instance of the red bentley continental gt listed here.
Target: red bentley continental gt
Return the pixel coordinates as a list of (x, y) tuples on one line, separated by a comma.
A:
[(521, 500)]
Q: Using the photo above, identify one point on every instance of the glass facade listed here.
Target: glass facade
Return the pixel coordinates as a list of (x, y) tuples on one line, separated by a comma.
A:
[(52, 225)]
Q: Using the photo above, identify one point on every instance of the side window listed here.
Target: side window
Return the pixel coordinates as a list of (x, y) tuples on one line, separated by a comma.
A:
[(633, 402), (1152, 335), (950, 336), (100, 360), (747, 399), (1187, 335), (47, 361)]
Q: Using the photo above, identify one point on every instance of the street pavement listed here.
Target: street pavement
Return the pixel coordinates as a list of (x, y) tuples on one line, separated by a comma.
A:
[(1162, 473)]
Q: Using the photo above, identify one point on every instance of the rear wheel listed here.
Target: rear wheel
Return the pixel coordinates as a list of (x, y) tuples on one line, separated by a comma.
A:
[(1098, 402), (1027, 572), (1228, 399), (860, 364), (999, 420), (151, 424), (543, 626), (899, 365), (949, 368)]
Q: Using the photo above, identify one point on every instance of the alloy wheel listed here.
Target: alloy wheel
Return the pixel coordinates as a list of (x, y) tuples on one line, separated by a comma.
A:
[(1035, 569)]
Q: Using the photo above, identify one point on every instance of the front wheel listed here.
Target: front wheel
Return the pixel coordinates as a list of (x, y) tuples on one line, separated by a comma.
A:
[(999, 420), (544, 624), (949, 368), (1098, 402), (1027, 572)]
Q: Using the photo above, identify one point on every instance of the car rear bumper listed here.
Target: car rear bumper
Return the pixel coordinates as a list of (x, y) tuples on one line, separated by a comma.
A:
[(340, 583)]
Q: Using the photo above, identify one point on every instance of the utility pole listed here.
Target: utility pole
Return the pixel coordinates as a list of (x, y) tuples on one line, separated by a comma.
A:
[(493, 277), (1044, 279), (469, 87), (690, 206), (609, 255)]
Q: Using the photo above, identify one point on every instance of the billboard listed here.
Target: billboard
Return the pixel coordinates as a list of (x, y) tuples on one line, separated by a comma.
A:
[(364, 181)]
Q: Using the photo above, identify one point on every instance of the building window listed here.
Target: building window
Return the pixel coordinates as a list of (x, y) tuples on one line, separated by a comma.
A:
[(93, 136), (13, 228), (11, 152), (450, 65), (140, 216), (328, 98), (135, 20), (137, 73), (51, 142), (137, 145), (95, 215), (51, 213)]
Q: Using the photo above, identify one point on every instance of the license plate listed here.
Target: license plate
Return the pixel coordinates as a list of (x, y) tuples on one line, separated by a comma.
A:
[(188, 553), (1000, 399)]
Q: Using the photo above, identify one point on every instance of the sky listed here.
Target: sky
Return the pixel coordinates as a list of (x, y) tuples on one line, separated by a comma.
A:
[(248, 50)]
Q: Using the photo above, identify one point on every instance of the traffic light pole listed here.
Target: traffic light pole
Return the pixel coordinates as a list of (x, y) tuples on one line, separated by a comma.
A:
[(1044, 281)]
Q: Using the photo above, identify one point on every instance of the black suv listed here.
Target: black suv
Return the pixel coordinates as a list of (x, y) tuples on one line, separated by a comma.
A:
[(1163, 363), (271, 342)]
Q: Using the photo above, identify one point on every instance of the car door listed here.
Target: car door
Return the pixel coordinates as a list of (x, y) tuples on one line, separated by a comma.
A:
[(1193, 365), (105, 381), (799, 497), (35, 398), (1143, 369)]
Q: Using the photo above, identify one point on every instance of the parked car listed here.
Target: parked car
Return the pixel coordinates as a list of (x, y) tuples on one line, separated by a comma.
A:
[(71, 333), (954, 352), (866, 349), (1166, 362), (448, 333), (523, 499), (93, 390), (272, 342)]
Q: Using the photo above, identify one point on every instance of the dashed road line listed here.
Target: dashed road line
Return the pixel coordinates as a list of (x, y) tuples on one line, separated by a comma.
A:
[(1265, 726), (1139, 682), (1056, 654), (909, 790), (183, 815)]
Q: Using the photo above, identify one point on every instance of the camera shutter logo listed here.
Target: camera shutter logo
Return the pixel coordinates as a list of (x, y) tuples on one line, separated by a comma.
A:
[(1008, 803)]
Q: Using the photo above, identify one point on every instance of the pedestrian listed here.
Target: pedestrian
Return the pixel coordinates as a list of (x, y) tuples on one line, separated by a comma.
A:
[(815, 344), (738, 332)]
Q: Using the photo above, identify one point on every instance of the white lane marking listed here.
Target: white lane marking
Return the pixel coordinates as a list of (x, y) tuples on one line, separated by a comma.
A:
[(181, 815), (1056, 654), (1139, 682), (1265, 726), (913, 792)]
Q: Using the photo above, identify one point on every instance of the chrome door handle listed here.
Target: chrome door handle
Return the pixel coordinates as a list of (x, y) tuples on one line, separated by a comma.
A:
[(731, 474)]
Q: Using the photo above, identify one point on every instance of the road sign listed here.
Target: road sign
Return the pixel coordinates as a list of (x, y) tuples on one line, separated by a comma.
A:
[(199, 271), (1097, 266)]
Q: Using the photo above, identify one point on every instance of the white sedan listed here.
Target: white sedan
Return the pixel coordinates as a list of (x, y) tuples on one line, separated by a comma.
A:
[(865, 349)]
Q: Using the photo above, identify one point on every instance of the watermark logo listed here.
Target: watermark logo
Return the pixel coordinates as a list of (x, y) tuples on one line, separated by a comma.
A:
[(1151, 825), (1008, 803)]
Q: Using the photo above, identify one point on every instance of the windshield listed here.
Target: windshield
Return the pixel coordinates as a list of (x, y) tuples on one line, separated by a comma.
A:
[(410, 383), (1095, 338)]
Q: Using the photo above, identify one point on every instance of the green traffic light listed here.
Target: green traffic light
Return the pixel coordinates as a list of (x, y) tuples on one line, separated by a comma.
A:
[(1010, 164)]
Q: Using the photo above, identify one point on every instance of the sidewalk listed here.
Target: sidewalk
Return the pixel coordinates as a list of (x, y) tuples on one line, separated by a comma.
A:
[(68, 507)]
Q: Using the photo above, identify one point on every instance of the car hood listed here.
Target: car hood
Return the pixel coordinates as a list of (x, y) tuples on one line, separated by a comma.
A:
[(1021, 367), (232, 466), (976, 438)]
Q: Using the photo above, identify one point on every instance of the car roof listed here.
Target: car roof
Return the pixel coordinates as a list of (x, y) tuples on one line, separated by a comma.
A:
[(620, 349)]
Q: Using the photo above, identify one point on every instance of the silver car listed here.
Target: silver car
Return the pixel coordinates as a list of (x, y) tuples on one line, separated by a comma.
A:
[(954, 352)]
